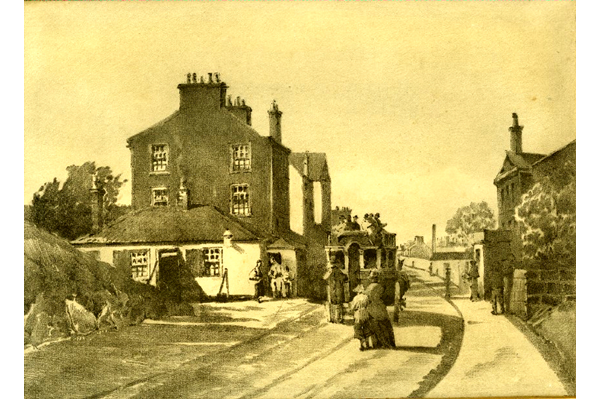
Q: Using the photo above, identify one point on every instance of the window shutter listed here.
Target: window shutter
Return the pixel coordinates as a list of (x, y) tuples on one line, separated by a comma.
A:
[(122, 261)]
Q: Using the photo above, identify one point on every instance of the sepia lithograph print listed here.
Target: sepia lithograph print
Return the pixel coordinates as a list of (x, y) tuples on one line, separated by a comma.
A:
[(299, 199)]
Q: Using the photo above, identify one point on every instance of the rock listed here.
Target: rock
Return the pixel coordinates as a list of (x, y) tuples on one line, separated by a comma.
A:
[(81, 321)]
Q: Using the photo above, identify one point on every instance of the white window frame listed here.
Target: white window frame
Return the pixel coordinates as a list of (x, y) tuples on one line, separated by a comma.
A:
[(158, 165), (233, 150), (139, 263), (246, 211), (160, 204)]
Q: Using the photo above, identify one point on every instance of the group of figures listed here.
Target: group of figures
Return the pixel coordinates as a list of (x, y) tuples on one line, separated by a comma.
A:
[(501, 278), (372, 325), (371, 223), (280, 279)]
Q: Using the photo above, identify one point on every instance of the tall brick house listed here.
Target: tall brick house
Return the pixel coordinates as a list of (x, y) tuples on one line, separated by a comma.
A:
[(207, 156), (520, 172)]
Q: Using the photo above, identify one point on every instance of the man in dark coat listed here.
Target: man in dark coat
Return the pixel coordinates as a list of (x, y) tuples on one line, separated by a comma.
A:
[(402, 285), (473, 276), (336, 280), (497, 281)]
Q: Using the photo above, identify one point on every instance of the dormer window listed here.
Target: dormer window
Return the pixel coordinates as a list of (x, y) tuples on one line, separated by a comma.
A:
[(240, 157), (160, 157)]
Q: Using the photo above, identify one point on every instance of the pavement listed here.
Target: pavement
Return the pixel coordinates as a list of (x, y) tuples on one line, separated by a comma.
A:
[(495, 360)]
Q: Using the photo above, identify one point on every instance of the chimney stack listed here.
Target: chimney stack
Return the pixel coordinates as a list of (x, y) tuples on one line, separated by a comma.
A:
[(516, 140), (433, 239), (195, 94), (97, 204), (275, 122)]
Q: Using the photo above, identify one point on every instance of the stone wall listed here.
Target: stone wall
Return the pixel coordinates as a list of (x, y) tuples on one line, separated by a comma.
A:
[(551, 285)]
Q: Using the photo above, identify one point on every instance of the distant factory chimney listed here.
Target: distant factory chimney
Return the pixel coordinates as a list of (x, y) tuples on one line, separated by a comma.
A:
[(433, 239)]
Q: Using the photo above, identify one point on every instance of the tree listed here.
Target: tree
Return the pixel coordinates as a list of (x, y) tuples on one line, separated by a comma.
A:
[(470, 219), (547, 216), (66, 210)]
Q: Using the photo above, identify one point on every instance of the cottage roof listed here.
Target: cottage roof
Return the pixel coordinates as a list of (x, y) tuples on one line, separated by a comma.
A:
[(317, 165), (285, 244), (171, 224), (450, 255)]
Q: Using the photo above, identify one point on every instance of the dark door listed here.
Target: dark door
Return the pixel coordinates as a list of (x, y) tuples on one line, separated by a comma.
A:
[(168, 274), (353, 268)]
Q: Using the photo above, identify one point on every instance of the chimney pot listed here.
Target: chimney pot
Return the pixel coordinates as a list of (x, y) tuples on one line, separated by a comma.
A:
[(189, 78), (210, 77), (217, 78), (201, 79), (194, 77)]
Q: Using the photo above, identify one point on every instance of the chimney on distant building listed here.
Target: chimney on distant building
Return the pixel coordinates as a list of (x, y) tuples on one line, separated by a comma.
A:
[(97, 205), (275, 122), (516, 140), (433, 239), (197, 95)]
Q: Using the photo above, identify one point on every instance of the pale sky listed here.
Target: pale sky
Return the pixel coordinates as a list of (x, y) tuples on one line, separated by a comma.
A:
[(411, 101)]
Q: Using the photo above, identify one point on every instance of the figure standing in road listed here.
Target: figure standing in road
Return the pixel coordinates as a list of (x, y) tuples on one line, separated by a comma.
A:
[(382, 326), (362, 319), (508, 268), (288, 279), (497, 280), (336, 280), (473, 277), (430, 269), (402, 285), (257, 276), (276, 276)]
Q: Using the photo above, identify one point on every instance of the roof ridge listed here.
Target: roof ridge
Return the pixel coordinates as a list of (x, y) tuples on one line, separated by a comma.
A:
[(555, 151)]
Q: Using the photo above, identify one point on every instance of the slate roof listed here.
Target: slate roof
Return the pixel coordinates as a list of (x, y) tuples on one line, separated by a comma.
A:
[(451, 255), (517, 161), (317, 165), (523, 160), (171, 225)]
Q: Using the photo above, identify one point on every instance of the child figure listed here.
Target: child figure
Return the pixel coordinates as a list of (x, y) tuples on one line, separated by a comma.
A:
[(362, 319)]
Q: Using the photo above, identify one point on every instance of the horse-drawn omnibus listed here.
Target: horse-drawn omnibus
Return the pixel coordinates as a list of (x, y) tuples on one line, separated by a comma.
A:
[(360, 252)]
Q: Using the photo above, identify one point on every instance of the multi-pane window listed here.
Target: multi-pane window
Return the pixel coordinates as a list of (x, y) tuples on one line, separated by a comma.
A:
[(160, 197), (139, 263), (240, 157), (240, 200), (160, 157), (212, 261)]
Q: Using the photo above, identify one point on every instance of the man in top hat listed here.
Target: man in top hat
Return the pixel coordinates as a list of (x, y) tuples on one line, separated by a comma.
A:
[(355, 226), (336, 280)]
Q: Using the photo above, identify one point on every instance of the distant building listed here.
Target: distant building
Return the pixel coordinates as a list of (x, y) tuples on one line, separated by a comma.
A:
[(205, 165), (520, 172), (417, 248)]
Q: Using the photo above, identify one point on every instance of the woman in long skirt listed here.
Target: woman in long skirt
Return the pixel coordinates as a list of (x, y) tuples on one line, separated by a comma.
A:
[(381, 324)]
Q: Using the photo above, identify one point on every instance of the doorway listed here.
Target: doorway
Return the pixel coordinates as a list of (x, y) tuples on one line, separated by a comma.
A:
[(169, 279)]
